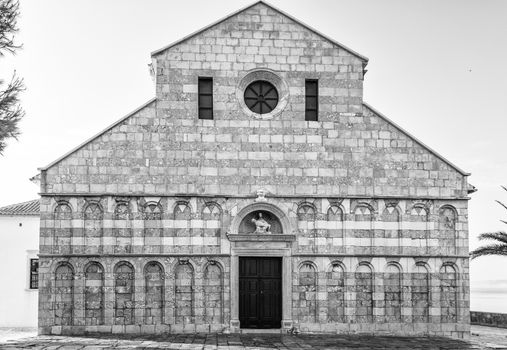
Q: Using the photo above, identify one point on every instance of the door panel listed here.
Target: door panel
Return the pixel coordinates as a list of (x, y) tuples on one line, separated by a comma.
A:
[(260, 292)]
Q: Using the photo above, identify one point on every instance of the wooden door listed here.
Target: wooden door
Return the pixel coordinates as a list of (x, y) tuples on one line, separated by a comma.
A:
[(260, 292)]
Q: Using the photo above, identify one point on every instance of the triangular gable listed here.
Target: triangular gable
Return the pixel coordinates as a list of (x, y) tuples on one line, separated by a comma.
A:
[(354, 53), (420, 143), (75, 149)]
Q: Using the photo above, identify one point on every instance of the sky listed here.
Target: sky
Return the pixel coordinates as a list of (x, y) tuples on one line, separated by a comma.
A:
[(437, 68)]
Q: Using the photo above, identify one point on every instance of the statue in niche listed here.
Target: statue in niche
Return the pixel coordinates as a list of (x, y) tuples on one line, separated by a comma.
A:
[(261, 225), (260, 222)]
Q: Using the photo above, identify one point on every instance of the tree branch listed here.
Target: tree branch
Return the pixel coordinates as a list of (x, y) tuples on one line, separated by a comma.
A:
[(9, 12), (10, 110)]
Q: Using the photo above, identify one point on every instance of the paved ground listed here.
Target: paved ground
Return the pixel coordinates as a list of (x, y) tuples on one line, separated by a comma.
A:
[(489, 337), (482, 338), (13, 334)]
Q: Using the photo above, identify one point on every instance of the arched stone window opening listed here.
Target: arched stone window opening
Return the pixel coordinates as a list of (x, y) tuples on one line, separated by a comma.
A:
[(122, 228), (391, 214), (93, 216), (94, 294), (363, 222), (184, 294), (447, 223), (391, 221), (154, 293), (213, 294), (307, 290), (306, 215), (448, 294), (64, 295), (62, 235), (336, 290), (182, 211), (152, 216), (364, 294), (124, 294), (212, 223), (182, 226), (420, 294), (306, 212), (335, 222), (392, 293), (419, 217)]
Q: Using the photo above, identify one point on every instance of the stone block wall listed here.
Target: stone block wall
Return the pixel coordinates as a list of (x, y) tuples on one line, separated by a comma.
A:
[(381, 295), (164, 149), (168, 225), (358, 265), (131, 225), (258, 37), (140, 225), (492, 319), (152, 154), (134, 294)]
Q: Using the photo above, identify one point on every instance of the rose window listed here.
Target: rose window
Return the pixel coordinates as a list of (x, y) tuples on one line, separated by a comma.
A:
[(261, 97)]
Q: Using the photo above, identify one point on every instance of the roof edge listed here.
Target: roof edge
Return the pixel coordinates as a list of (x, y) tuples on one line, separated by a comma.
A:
[(422, 144), (97, 135), (21, 211), (363, 58), (19, 214)]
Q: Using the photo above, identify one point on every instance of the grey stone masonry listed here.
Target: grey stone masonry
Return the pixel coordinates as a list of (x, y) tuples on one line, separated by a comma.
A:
[(163, 148), (142, 226)]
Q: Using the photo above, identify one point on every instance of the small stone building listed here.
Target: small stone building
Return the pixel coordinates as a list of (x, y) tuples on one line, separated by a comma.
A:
[(256, 190), (19, 264)]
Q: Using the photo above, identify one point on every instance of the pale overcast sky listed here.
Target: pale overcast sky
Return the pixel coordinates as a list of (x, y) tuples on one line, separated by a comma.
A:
[(437, 68)]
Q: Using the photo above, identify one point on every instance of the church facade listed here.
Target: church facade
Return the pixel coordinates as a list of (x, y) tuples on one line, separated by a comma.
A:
[(256, 190)]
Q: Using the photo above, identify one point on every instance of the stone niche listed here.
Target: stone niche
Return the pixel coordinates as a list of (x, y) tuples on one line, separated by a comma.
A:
[(260, 221)]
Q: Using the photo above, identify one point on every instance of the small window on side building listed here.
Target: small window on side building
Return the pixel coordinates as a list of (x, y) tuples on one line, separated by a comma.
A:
[(205, 92), (312, 99), (34, 273)]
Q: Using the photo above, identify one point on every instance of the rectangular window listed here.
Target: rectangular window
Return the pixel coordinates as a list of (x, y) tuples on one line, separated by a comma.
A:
[(205, 92), (34, 273), (311, 99)]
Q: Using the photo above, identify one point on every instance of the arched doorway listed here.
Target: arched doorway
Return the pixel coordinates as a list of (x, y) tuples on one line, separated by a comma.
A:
[(261, 269)]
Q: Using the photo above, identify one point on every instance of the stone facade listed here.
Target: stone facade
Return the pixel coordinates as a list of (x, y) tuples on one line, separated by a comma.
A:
[(143, 225)]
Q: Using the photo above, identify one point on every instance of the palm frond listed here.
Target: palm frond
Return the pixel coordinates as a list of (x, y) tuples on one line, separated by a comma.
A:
[(492, 249), (503, 205), (497, 236), (498, 248)]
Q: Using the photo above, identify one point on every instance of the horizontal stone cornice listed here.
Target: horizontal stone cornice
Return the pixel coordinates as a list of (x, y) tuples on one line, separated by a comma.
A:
[(143, 255), (223, 195), (345, 255), (295, 255), (261, 238)]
